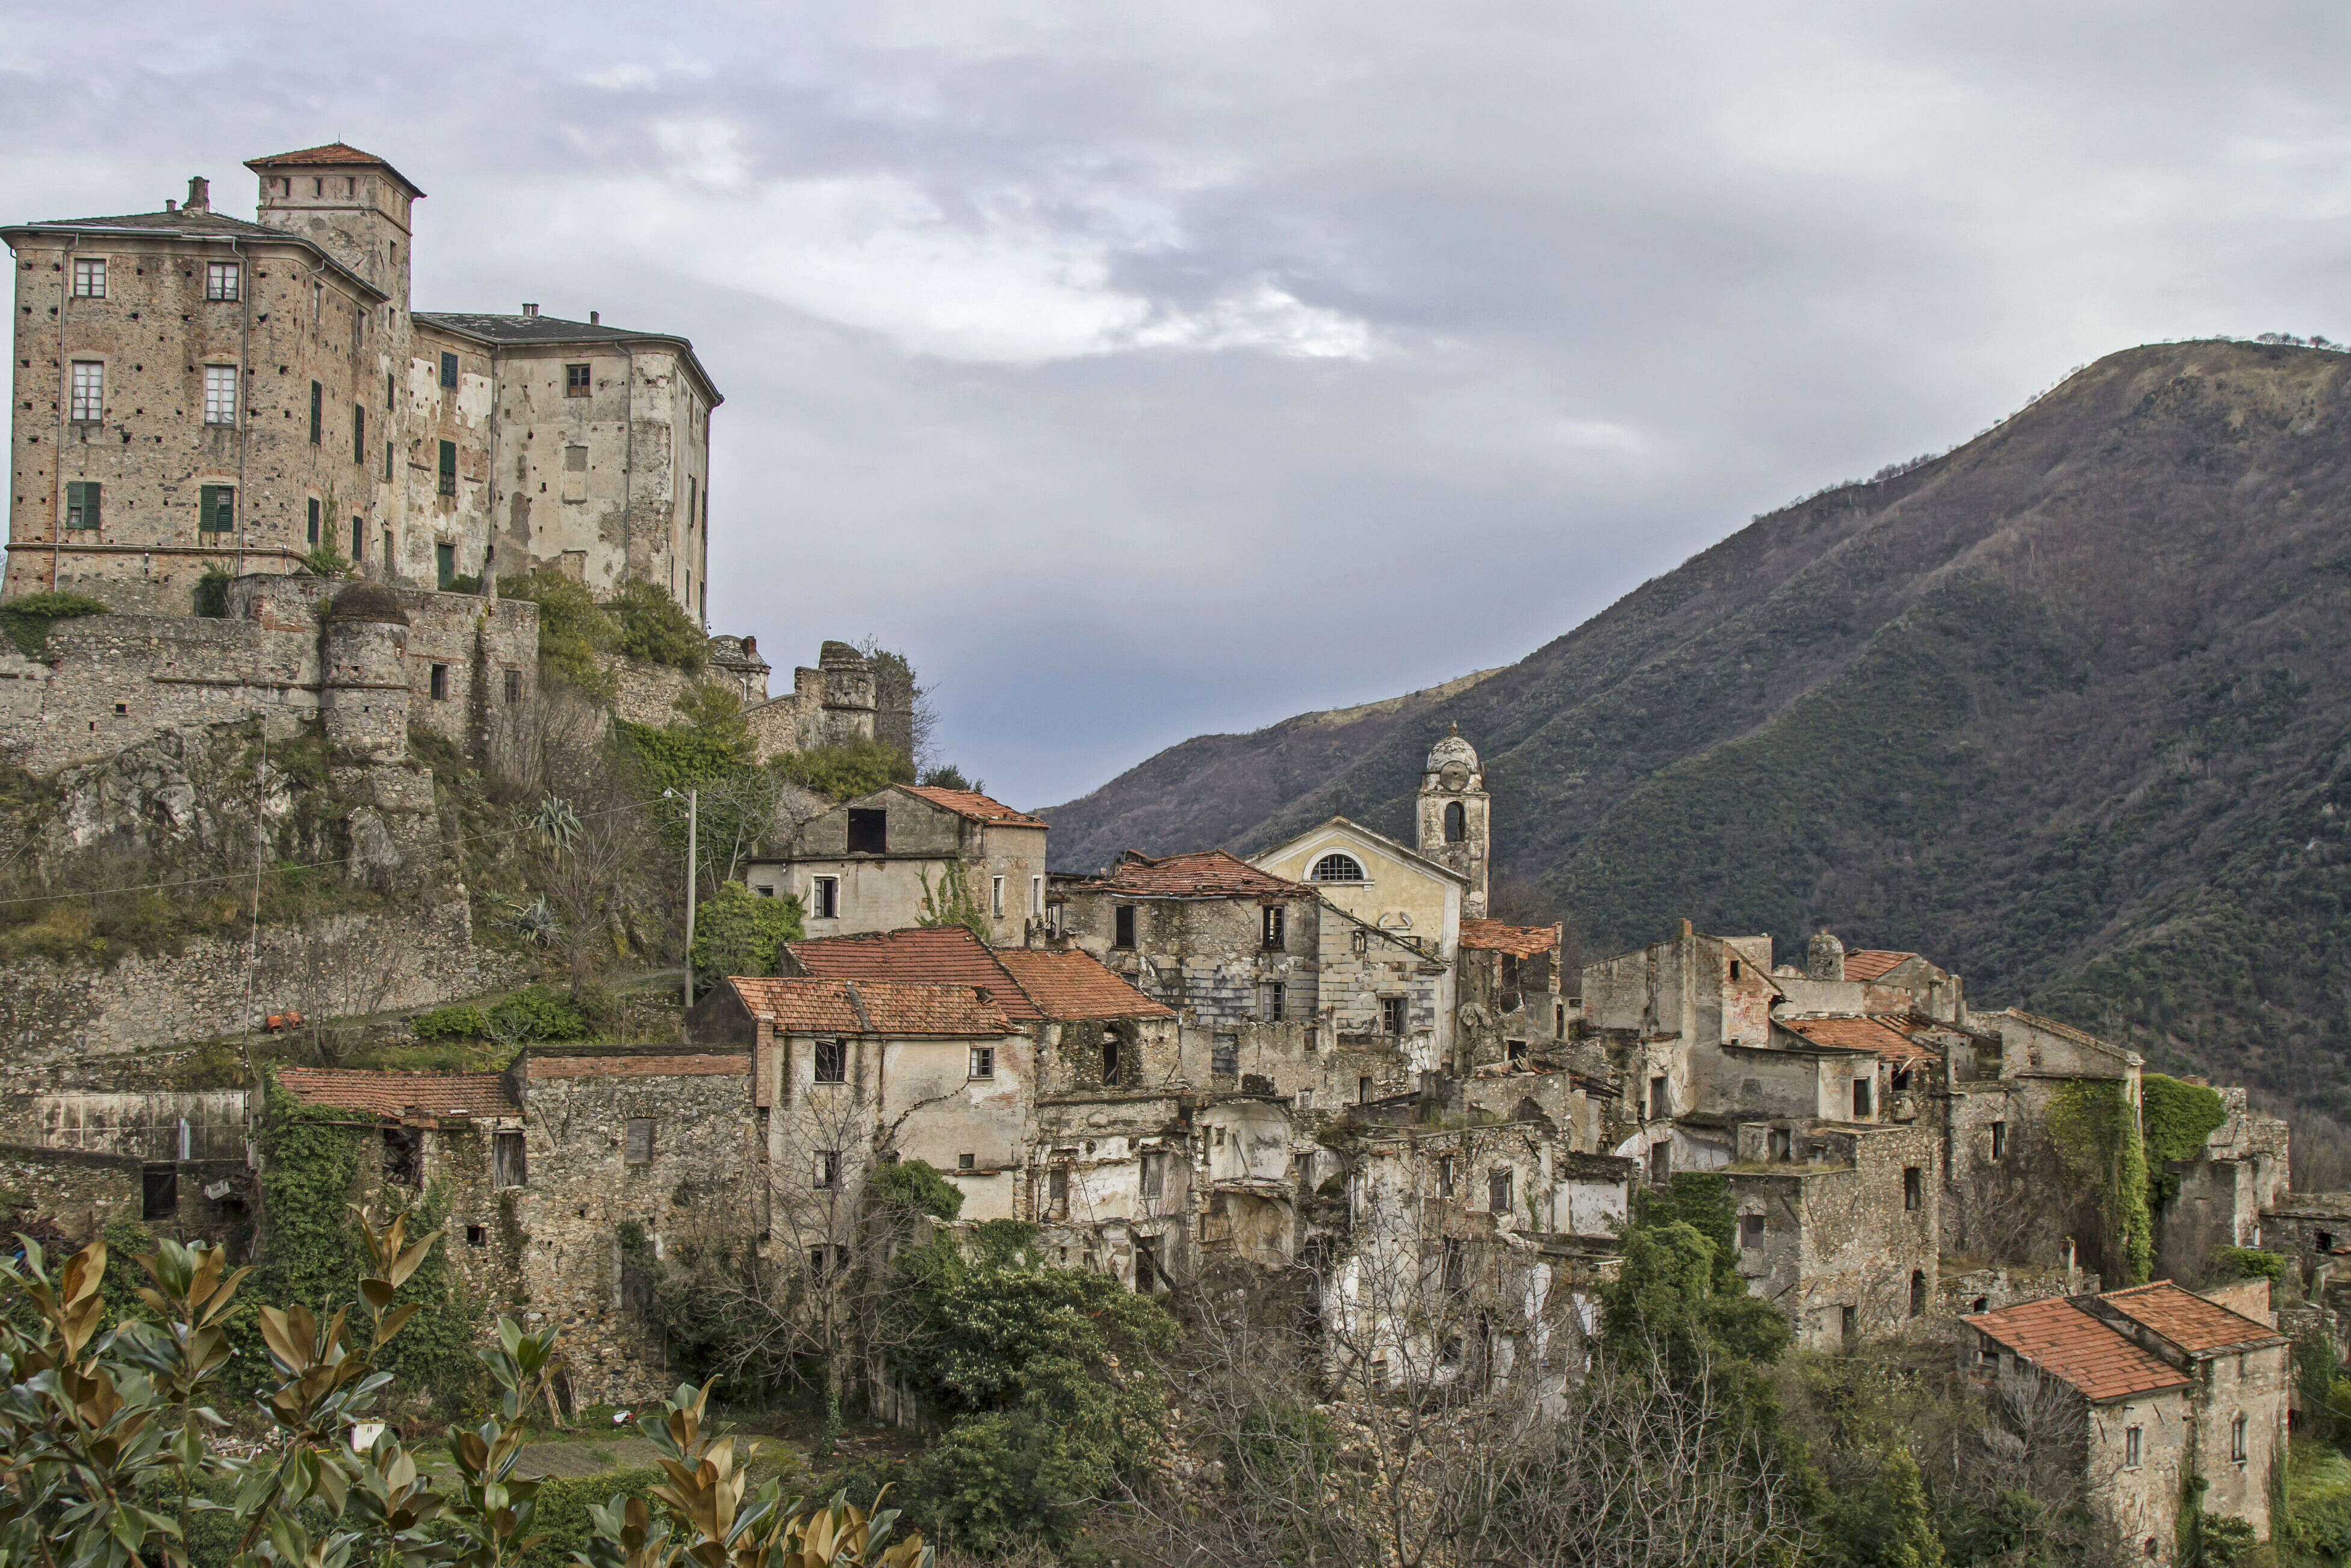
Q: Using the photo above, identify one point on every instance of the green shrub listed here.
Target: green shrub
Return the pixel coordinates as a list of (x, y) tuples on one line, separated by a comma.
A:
[(211, 593), (533, 1013), (572, 629), (654, 629), (738, 932), (562, 1521), (26, 619), (325, 560), (845, 772), (461, 1020), (2245, 1263)]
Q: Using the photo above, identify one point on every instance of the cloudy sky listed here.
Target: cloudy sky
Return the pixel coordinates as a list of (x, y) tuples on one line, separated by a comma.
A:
[(1149, 370)]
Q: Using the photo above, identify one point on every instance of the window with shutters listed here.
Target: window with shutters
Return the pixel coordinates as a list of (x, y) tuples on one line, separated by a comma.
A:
[(390, 391), (448, 369), (216, 508), (317, 411), (641, 1141), (444, 566), (82, 504), (995, 897), (824, 897), (88, 403), (89, 277), (831, 1064), (509, 1164), (575, 381), (359, 435), (220, 394), (312, 535), (1154, 1176), (387, 461), (220, 280), (514, 685), (1392, 1015), (448, 467)]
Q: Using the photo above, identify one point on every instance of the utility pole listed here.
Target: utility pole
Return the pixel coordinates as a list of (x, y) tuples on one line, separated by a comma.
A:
[(693, 806)]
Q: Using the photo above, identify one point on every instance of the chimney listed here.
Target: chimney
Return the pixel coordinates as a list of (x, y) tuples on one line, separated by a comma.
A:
[(170, 206), (593, 318), (529, 310), (200, 194)]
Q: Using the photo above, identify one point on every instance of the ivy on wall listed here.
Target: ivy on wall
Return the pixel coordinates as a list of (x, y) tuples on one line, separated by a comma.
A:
[(2096, 1137), (2177, 1118)]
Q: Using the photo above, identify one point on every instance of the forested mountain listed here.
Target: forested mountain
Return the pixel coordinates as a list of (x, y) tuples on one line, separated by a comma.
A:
[(2066, 708)]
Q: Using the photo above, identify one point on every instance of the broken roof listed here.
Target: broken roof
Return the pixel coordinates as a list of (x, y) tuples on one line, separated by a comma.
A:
[(1202, 874), (2069, 1343), (1518, 941), (398, 1095), (1860, 1032), (1874, 962), (971, 803), (925, 955), (1071, 985), (871, 1007), (2197, 1326), (330, 155)]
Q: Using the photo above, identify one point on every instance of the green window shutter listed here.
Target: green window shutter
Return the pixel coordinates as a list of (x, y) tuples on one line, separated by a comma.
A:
[(317, 411), (387, 461), (448, 369), (448, 467), (216, 510), (81, 502), (359, 435), (359, 542), (445, 564)]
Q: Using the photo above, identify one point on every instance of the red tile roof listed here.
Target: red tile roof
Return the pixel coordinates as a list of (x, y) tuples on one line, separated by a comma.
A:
[(1205, 874), (2186, 1320), (871, 1007), (397, 1094), (1873, 963), (329, 155), (971, 803), (2066, 1341), (1071, 985), (1518, 941), (1860, 1032), (935, 954)]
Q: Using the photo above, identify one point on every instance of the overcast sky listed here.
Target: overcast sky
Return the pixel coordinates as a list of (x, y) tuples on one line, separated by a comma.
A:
[(1146, 371)]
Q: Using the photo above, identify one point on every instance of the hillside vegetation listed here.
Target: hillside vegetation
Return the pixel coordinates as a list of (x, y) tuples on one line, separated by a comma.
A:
[(2065, 708)]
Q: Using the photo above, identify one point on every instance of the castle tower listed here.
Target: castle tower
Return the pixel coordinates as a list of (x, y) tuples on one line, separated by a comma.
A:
[(363, 673), (350, 203), (1455, 829)]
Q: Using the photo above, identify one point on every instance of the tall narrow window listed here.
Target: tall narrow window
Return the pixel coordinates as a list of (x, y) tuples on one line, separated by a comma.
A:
[(311, 535), (1657, 1099), (2131, 1449), (1154, 1176), (514, 688), (1393, 1015), (82, 504), (391, 392), (2237, 1440), (220, 394), (387, 461), (359, 435), (575, 381), (1498, 1191), (2000, 1140), (1457, 823), (1110, 1062), (1277, 922), (359, 541), (89, 277), (90, 390), (317, 411), (448, 467), (1917, 1292), (219, 280), (448, 369), (832, 1063), (1122, 925), (391, 555), (216, 508), (995, 897), (827, 1174), (1862, 1090), (1276, 1002), (440, 686), (824, 897), (1914, 1188), (1036, 895)]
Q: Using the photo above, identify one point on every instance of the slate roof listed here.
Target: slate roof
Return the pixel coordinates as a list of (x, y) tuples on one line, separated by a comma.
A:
[(1860, 1032), (329, 155), (1874, 962), (871, 1007), (525, 330), (2067, 1343), (938, 955), (1203, 874), (396, 1095), (1070, 984), (1518, 941), (971, 803), (2196, 1325), (182, 223)]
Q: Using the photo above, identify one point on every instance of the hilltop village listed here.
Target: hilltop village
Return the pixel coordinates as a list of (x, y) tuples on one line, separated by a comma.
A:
[(1324, 1065)]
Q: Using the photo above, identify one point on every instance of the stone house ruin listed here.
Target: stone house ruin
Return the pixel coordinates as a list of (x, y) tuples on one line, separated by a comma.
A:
[(908, 852)]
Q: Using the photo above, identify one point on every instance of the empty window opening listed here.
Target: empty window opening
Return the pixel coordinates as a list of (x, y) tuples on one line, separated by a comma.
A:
[(983, 1062), (1057, 1191), (967, 1162), (575, 381), (1498, 1191), (403, 1161), (826, 1175), (1914, 1188), (1337, 868), (1392, 1016), (514, 685), (1848, 1324), (1224, 1055), (440, 682), (1661, 1162), (1277, 920), (1360, 941), (1110, 1062), (510, 1163), (995, 897), (1734, 968), (2133, 1449), (89, 277), (82, 504), (1917, 1292), (1362, 1091), (1514, 1052), (1751, 1232), (1123, 926), (1861, 1099), (1154, 1176), (158, 1192), (1900, 1080), (313, 533), (638, 1146), (359, 435), (317, 413), (1445, 1167), (1457, 823), (2323, 1241), (2000, 1140), (869, 831), (831, 1062), (1782, 1144), (824, 897), (477, 1237), (1658, 1108), (1454, 1275), (1981, 1304)]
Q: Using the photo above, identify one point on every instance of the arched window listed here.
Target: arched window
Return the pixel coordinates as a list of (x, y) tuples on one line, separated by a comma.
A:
[(1337, 868), (1457, 823)]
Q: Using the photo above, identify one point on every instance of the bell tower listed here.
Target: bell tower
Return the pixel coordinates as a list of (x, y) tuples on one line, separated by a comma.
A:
[(1456, 828)]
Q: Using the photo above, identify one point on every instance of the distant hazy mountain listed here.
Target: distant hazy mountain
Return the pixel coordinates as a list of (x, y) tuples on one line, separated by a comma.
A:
[(2066, 708)]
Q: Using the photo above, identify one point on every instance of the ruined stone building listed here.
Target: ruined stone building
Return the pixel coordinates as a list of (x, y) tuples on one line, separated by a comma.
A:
[(907, 853), (194, 392)]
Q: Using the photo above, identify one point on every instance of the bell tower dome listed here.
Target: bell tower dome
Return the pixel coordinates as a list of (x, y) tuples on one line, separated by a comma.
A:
[(1454, 817)]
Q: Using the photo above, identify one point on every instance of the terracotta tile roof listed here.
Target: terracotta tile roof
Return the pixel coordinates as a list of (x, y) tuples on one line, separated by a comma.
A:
[(1873, 963), (932, 956), (1204, 873), (1860, 1032), (2066, 1341), (871, 1007), (2186, 1320), (1518, 941), (398, 1094), (1075, 986), (328, 156), (973, 804)]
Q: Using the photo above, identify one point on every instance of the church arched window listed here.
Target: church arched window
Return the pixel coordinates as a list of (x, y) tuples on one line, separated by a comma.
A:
[(1337, 868), (1457, 823)]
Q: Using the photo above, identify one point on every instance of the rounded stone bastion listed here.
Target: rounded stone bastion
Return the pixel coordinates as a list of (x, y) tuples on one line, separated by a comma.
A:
[(363, 671)]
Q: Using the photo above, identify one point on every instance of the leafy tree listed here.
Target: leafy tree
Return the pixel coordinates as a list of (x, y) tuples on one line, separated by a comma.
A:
[(716, 712), (1888, 1526), (737, 932), (947, 775), (845, 772), (573, 630), (654, 629)]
